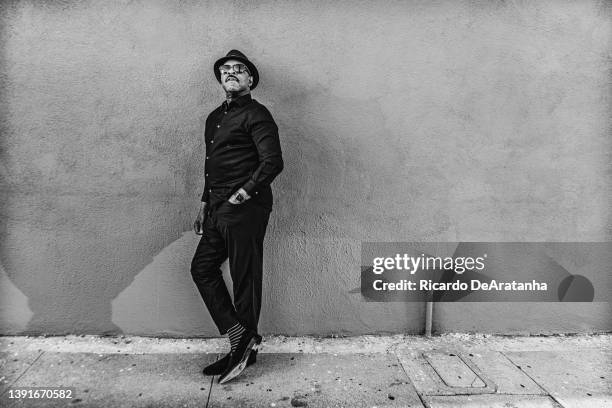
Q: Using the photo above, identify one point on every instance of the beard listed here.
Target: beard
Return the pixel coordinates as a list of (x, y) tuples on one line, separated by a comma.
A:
[(232, 86), (235, 88)]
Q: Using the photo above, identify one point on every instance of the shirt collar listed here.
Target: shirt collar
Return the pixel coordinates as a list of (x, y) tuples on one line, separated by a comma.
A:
[(240, 101)]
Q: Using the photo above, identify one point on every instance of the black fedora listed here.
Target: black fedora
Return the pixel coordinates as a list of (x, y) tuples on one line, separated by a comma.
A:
[(237, 55)]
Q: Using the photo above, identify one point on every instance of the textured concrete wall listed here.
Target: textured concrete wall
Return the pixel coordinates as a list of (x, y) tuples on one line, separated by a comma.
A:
[(399, 120)]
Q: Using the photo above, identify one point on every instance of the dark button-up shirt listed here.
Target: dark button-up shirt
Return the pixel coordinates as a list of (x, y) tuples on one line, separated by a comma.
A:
[(242, 150)]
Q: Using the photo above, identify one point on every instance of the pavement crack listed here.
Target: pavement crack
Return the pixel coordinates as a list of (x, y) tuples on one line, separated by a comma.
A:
[(557, 400), (418, 393), (212, 382), (22, 374)]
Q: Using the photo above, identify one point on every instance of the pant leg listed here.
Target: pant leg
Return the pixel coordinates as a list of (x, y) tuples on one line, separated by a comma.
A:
[(206, 272), (244, 227)]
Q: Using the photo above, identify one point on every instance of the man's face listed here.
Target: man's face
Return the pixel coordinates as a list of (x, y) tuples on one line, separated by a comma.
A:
[(235, 82)]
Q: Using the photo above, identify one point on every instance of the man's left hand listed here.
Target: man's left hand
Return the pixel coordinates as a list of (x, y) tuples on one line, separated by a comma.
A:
[(239, 197)]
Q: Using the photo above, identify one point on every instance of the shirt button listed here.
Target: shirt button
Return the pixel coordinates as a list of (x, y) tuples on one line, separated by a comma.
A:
[(207, 157), (257, 192), (218, 126), (210, 190), (206, 174), (212, 141)]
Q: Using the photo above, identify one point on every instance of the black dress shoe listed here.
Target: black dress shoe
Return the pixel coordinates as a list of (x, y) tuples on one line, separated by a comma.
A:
[(249, 342), (219, 366)]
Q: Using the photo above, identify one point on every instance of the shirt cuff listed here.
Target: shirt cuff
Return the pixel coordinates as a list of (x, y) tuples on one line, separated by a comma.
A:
[(250, 187)]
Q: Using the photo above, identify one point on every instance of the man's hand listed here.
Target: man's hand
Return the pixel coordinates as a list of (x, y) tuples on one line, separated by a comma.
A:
[(198, 225), (239, 197)]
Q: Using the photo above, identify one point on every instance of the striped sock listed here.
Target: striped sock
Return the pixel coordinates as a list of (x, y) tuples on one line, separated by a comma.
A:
[(234, 335)]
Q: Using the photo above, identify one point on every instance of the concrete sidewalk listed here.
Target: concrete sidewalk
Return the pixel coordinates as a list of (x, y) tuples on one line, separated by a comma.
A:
[(454, 370)]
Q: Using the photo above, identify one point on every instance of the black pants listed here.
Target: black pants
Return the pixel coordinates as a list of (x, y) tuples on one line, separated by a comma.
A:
[(235, 232)]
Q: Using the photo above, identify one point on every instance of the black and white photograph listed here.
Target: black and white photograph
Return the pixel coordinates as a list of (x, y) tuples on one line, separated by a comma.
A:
[(323, 204)]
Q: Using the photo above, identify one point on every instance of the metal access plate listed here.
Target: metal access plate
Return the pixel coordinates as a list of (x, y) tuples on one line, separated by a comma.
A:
[(445, 372), (453, 371)]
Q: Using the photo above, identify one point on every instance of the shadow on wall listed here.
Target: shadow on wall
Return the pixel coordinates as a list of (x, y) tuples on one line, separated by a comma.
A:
[(69, 274), (67, 243), (14, 311), (71, 253), (72, 248)]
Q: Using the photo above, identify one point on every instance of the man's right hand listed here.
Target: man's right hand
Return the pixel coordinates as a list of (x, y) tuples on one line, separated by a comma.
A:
[(198, 225)]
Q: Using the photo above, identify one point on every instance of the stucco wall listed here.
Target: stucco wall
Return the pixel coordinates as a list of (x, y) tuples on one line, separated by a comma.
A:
[(399, 121)]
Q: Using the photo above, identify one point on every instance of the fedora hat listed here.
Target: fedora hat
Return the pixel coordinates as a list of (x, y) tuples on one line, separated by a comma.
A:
[(237, 55)]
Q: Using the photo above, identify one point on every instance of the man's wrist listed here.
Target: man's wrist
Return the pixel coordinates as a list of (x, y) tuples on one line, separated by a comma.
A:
[(249, 187)]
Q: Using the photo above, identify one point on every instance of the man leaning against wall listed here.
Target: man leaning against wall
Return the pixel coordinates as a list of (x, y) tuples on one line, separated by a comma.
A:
[(243, 156)]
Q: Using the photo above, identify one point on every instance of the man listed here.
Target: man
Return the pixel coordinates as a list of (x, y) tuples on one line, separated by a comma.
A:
[(243, 156)]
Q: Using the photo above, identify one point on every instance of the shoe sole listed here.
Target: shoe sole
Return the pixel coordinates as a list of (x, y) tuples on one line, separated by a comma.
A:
[(252, 346), (219, 372)]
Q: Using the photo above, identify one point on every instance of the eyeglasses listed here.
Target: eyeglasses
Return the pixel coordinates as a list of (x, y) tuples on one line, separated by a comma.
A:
[(238, 68)]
